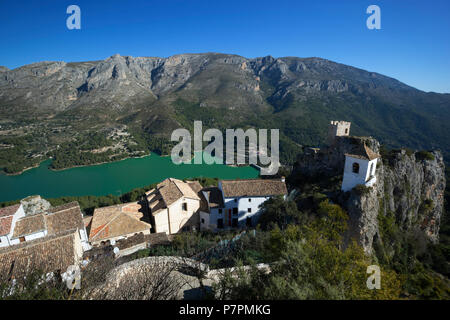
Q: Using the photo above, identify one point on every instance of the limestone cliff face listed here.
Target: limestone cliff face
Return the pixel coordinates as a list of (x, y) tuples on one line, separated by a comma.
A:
[(413, 188), (363, 212), (409, 185)]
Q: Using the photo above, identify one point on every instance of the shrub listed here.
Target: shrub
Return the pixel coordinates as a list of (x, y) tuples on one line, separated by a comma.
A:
[(426, 206), (424, 155), (361, 189)]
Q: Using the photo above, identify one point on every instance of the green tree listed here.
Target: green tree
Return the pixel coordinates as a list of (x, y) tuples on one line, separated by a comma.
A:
[(280, 212)]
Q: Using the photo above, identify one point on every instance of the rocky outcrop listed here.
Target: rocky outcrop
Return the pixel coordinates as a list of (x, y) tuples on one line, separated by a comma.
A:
[(363, 209), (413, 188), (35, 205), (410, 186)]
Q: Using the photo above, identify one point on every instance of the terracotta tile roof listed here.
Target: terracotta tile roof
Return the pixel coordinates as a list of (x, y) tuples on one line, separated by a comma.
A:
[(59, 219), (65, 206), (47, 254), (5, 225), (119, 220), (363, 152), (195, 186), (29, 225), (65, 217), (173, 189), (253, 187), (87, 221), (155, 201), (9, 211), (169, 191), (215, 197), (186, 188), (203, 203)]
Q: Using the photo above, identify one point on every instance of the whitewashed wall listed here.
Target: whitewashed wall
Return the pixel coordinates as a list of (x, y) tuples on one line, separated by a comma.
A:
[(176, 216), (351, 179), (7, 239)]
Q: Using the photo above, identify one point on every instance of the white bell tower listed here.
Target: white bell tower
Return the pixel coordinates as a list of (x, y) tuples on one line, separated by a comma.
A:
[(360, 168)]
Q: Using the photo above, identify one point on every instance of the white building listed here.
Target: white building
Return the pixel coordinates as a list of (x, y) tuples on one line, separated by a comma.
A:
[(174, 205), (18, 226), (360, 168), (236, 203), (8, 219)]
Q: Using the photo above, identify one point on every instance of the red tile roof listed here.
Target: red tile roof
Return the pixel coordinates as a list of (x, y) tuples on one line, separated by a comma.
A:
[(253, 187), (118, 220), (363, 152), (29, 225), (5, 225), (9, 211), (50, 253)]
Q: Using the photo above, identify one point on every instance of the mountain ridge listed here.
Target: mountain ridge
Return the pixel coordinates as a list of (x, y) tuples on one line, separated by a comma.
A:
[(151, 96), (4, 68)]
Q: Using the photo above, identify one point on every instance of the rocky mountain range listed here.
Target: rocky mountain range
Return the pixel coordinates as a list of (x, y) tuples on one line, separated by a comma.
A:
[(52, 103)]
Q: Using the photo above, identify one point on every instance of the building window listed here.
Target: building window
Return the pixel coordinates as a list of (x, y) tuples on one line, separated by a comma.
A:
[(346, 131), (249, 210), (372, 169), (249, 222), (235, 211), (0, 240), (184, 206), (235, 223), (220, 211), (235, 199), (355, 167), (249, 199), (220, 223), (203, 220)]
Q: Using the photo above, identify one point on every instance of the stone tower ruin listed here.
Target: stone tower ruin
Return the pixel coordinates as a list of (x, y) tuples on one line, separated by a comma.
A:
[(337, 129)]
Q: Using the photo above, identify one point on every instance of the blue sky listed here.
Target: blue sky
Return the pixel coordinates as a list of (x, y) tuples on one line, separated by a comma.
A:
[(412, 46)]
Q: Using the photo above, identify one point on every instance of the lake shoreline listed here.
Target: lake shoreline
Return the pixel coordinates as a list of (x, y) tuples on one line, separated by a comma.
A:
[(78, 166), (23, 170), (110, 177), (99, 163)]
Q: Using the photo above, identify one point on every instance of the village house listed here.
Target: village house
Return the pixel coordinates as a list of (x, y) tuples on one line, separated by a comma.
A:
[(53, 253), (18, 225), (8, 218), (49, 240), (174, 205), (236, 203), (109, 224)]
